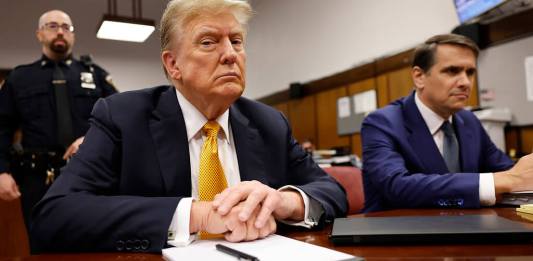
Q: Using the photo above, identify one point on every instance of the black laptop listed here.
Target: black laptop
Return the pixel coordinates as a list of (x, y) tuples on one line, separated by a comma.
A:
[(471, 229)]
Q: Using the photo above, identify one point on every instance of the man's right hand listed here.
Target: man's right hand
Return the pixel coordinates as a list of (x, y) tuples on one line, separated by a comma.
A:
[(8, 187), (518, 178), (205, 218)]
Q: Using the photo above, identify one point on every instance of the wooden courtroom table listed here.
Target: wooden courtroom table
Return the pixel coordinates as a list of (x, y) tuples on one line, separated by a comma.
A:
[(374, 252)]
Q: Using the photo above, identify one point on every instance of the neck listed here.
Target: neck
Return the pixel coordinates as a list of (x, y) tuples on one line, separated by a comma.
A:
[(442, 113), (211, 108)]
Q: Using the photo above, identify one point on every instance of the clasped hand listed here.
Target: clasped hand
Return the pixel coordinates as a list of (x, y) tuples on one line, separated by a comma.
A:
[(246, 211)]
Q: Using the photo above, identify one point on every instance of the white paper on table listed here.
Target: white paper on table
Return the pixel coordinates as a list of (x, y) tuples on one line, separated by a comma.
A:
[(273, 247), (343, 107)]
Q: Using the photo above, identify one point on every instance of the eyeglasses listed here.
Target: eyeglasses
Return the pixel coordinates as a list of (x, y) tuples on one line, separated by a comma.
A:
[(54, 27)]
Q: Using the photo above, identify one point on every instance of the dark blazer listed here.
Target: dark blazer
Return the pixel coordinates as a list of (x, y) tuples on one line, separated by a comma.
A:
[(120, 190), (403, 168)]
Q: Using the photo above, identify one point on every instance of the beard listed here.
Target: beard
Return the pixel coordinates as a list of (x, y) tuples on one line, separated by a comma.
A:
[(59, 45)]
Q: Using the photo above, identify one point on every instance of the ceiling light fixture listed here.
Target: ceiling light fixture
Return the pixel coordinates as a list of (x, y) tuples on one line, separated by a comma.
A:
[(121, 28)]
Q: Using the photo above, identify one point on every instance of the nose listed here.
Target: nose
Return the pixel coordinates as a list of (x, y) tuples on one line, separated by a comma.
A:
[(60, 30), (465, 80), (228, 52)]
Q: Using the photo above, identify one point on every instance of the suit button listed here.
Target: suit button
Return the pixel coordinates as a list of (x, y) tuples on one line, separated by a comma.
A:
[(137, 244), (129, 245), (119, 245), (145, 244)]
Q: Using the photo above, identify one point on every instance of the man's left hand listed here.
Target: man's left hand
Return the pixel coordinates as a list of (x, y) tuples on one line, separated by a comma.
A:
[(73, 148), (281, 204)]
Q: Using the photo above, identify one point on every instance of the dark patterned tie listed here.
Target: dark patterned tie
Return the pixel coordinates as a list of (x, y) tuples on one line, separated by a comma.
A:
[(450, 150), (65, 133)]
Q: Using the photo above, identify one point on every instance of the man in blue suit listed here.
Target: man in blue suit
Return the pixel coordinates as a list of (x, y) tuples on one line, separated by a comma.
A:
[(136, 182), (425, 150)]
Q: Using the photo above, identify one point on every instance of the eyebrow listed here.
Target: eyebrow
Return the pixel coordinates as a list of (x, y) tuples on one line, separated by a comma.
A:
[(206, 30), (458, 67)]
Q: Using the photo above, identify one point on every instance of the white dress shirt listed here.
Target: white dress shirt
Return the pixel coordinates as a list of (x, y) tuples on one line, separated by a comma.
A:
[(179, 234), (487, 193)]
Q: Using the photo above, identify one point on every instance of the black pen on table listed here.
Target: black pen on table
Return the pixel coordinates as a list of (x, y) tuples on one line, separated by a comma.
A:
[(236, 253)]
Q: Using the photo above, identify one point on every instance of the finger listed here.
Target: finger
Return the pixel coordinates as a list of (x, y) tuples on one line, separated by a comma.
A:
[(12, 195), (273, 225), (74, 149), (252, 233), (67, 153), (8, 195), (269, 229), (271, 202), (252, 201), (3, 196), (15, 190), (237, 231), (233, 198), (219, 198)]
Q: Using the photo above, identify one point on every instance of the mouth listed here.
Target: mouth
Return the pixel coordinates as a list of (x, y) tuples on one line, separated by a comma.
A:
[(229, 74), (60, 42), (461, 95)]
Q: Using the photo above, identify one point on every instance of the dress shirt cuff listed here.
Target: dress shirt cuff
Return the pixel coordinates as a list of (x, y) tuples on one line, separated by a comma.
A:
[(178, 232), (312, 213), (487, 193)]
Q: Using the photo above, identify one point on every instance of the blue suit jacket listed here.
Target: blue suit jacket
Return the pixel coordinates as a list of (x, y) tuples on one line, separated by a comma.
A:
[(403, 168), (120, 190)]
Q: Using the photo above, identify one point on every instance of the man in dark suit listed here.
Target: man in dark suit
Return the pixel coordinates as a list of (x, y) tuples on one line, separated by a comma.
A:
[(138, 181), (425, 150)]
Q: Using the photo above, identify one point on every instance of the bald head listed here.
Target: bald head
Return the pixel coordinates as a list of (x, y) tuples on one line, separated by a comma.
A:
[(54, 15), (55, 33)]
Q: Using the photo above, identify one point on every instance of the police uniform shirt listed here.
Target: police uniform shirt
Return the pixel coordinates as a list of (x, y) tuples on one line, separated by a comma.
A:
[(27, 101)]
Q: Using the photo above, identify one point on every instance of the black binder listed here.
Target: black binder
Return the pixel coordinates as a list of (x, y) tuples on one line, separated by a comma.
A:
[(469, 229)]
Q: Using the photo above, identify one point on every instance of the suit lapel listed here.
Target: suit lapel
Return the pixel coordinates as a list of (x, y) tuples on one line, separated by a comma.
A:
[(170, 138), (464, 135), (249, 147), (421, 139)]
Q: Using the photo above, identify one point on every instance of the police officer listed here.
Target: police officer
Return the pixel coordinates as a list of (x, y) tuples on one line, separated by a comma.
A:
[(50, 102)]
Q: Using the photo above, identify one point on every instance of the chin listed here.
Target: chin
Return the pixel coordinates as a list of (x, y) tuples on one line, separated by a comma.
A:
[(231, 90)]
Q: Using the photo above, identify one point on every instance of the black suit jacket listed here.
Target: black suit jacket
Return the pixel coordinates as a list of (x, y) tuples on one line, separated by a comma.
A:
[(120, 190)]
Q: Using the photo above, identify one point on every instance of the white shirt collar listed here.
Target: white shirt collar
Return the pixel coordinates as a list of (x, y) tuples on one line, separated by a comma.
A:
[(432, 119), (195, 120)]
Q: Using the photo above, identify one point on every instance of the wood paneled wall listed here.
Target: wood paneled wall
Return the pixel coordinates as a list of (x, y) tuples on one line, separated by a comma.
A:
[(13, 237), (358, 87), (302, 115), (390, 77), (315, 116), (326, 104)]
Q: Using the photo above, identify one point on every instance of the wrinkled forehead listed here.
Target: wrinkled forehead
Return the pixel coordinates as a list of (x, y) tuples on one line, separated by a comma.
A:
[(54, 16), (222, 23)]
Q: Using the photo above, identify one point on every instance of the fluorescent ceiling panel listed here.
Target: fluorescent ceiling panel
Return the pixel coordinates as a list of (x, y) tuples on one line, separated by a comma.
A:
[(123, 31)]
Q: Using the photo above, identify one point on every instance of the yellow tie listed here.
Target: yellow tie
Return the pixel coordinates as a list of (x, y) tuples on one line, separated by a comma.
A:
[(211, 179)]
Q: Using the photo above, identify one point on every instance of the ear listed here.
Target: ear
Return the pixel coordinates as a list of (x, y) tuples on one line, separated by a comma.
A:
[(419, 77), (39, 35), (169, 61)]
